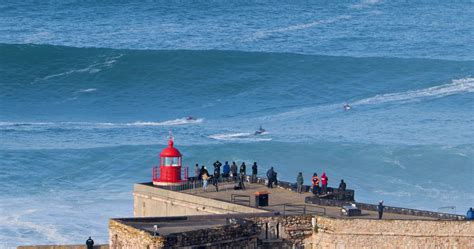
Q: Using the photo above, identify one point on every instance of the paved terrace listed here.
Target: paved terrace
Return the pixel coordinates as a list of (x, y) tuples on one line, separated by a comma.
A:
[(171, 225), (286, 201)]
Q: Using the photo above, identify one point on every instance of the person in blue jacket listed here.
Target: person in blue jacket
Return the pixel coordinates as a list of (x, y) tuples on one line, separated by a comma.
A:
[(470, 214), (226, 170)]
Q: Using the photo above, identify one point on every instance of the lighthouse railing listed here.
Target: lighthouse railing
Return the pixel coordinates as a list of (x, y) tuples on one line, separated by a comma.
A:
[(155, 173)]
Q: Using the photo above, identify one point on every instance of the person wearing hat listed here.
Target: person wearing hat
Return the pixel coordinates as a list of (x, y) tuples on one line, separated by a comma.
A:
[(380, 208)]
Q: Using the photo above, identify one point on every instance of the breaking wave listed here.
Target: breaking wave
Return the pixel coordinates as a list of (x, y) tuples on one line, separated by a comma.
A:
[(241, 136), (179, 121), (85, 125), (457, 86), (263, 34)]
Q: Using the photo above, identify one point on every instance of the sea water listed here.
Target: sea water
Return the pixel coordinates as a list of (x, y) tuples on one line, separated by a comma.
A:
[(89, 93)]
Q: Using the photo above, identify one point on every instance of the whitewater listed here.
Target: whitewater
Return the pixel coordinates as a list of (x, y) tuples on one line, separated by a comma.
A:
[(87, 101)]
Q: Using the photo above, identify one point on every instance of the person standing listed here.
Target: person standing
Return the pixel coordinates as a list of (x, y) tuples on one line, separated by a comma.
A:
[(243, 171), (90, 243), (201, 172), (215, 179), (275, 179), (217, 165), (241, 182), (233, 170), (342, 186), (197, 172), (299, 182), (226, 170), (254, 172), (270, 175), (324, 182), (315, 182), (205, 177), (380, 208)]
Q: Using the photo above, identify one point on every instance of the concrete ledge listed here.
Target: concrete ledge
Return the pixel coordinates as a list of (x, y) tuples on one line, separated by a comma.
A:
[(62, 247), (169, 200), (387, 209)]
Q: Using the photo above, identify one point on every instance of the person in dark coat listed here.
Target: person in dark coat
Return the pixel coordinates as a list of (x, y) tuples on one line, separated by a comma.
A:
[(241, 182), (217, 165), (243, 169), (90, 243), (380, 208), (270, 175), (215, 178), (342, 185), (254, 172), (299, 183)]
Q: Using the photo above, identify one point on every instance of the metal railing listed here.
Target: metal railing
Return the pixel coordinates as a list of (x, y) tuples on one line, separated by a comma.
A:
[(295, 209), (239, 199), (156, 173), (194, 185)]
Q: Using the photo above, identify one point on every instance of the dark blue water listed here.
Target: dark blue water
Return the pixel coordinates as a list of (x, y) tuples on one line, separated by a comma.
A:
[(89, 92)]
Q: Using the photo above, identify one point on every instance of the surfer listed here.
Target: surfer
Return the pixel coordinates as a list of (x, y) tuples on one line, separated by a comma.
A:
[(347, 107), (260, 131)]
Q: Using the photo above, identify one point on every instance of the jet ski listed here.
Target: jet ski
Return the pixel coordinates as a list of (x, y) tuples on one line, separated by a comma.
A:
[(260, 131), (347, 107), (190, 118)]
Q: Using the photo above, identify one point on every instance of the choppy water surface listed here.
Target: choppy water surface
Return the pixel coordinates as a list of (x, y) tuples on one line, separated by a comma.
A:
[(89, 92)]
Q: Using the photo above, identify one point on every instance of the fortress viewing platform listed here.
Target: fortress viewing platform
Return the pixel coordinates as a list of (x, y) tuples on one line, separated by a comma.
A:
[(187, 216)]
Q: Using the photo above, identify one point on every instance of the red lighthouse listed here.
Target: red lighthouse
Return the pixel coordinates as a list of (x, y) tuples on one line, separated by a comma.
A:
[(170, 167)]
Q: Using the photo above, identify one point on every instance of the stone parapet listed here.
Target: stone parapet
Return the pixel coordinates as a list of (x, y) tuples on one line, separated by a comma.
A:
[(363, 233)]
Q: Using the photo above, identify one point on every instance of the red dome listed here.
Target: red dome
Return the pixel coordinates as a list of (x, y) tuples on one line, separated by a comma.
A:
[(170, 151)]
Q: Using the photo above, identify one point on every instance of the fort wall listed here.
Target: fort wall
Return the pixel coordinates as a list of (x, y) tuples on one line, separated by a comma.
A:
[(367, 233), (152, 201)]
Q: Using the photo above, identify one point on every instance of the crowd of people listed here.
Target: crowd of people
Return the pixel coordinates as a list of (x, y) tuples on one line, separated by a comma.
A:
[(229, 172), (238, 174)]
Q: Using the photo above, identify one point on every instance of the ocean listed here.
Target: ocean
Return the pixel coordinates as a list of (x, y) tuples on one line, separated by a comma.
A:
[(89, 93)]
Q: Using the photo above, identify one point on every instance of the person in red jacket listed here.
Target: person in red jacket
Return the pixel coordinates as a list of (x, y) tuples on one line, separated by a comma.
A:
[(324, 182)]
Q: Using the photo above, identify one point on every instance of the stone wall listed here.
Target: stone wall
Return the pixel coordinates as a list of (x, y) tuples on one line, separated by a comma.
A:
[(387, 209), (284, 231), (242, 234), (62, 247), (152, 201), (366, 233), (126, 237)]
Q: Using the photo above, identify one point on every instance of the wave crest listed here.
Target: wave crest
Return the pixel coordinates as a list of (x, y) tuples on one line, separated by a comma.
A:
[(465, 85), (241, 136)]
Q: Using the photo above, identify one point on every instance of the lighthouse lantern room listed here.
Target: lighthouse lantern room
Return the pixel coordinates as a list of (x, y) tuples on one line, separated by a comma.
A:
[(170, 167)]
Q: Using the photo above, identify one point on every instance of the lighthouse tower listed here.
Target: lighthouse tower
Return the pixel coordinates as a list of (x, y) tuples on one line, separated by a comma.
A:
[(170, 167)]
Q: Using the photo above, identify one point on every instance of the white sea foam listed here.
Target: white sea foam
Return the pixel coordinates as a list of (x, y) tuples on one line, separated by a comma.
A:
[(457, 86), (88, 90), (265, 33), (241, 136), (364, 4), (49, 231), (180, 121), (88, 125), (230, 135), (92, 69)]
